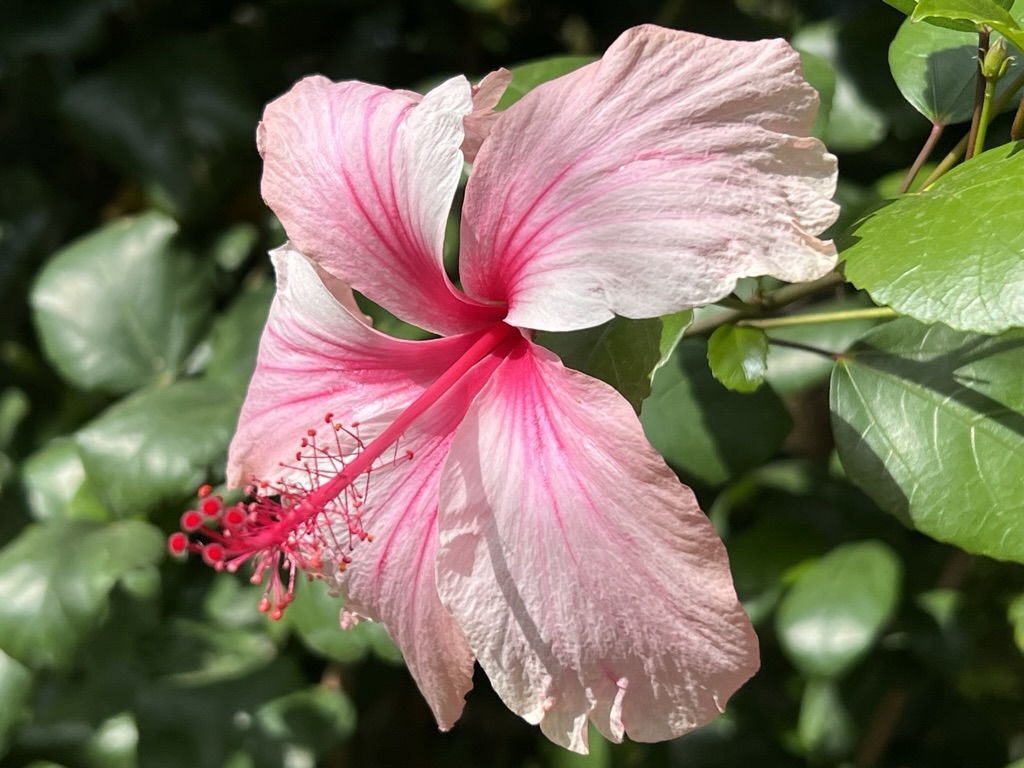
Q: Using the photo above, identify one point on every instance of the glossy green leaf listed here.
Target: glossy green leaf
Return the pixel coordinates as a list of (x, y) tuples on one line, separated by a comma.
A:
[(15, 690), (174, 116), (704, 430), (526, 77), (906, 6), (974, 12), (312, 719), (738, 356), (621, 352), (835, 611), (951, 254), (936, 70), (930, 423), (56, 487), (159, 445), (123, 306), (822, 77), (61, 574)]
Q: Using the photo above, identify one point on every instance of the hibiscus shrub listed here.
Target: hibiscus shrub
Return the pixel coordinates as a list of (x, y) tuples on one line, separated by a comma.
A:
[(852, 429)]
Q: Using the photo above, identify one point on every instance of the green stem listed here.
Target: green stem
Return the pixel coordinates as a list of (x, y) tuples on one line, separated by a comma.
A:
[(986, 116), (979, 91), (789, 321), (958, 151), (771, 301)]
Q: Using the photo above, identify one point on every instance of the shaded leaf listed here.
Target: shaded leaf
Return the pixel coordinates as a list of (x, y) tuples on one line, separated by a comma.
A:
[(15, 690), (930, 423), (122, 307), (703, 429), (826, 729), (835, 611), (621, 352), (62, 573), (159, 445), (951, 254), (56, 486)]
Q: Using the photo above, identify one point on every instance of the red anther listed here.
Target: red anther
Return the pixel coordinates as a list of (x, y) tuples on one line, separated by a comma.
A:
[(276, 614), (191, 521), (311, 432), (408, 454), (234, 517), (264, 605), (355, 425), (177, 543), (328, 418), (213, 554), (204, 491), (211, 506)]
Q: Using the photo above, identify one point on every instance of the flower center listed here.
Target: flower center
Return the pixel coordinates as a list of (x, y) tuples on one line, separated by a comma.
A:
[(292, 525)]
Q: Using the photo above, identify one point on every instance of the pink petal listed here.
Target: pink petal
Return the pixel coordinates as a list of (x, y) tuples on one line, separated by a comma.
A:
[(648, 182), (478, 123), (362, 179), (584, 576), (318, 356), (391, 578)]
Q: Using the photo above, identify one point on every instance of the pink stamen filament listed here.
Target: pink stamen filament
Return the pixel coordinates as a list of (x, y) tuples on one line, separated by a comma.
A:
[(290, 535)]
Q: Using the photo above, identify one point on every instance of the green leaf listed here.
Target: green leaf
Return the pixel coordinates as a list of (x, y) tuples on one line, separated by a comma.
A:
[(936, 70), (703, 429), (174, 117), (159, 445), (621, 352), (738, 356), (763, 556), (930, 423), (834, 613), (526, 77), (854, 123), (15, 690), (313, 719), (235, 338), (825, 728), (822, 77), (975, 12), (123, 306), (197, 653), (56, 487), (906, 6), (951, 254), (315, 618), (58, 577)]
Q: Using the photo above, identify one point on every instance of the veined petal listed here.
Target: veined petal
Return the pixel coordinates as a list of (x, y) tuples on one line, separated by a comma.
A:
[(362, 178), (648, 182), (486, 95), (391, 579), (583, 574), (318, 356)]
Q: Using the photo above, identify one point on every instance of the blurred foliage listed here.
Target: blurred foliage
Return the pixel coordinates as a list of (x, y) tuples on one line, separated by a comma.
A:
[(134, 284)]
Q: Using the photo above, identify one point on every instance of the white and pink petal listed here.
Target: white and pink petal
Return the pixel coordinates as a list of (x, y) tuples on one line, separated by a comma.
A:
[(583, 574), (318, 355), (362, 178), (649, 182)]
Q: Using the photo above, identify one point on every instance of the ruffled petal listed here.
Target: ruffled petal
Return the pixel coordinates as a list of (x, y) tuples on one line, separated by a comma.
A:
[(318, 355), (391, 579), (583, 574), (648, 182), (486, 95), (362, 178)]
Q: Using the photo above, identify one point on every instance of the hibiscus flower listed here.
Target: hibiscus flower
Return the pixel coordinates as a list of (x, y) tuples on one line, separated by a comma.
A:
[(470, 492)]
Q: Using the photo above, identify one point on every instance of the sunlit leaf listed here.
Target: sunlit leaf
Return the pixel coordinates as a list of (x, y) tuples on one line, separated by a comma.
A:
[(526, 77), (834, 613), (122, 306), (738, 356), (930, 423), (951, 254)]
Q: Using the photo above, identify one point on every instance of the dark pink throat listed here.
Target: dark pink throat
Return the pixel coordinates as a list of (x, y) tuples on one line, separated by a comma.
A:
[(313, 520)]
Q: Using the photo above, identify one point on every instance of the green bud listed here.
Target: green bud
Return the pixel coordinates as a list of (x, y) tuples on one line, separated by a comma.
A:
[(996, 61)]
